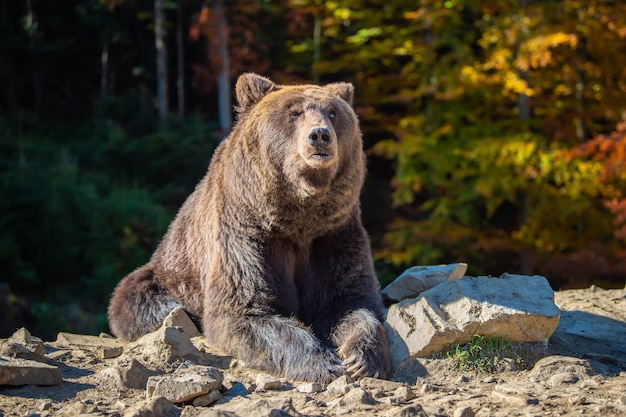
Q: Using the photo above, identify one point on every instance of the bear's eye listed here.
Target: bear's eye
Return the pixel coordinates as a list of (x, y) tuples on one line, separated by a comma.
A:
[(332, 114), (294, 114)]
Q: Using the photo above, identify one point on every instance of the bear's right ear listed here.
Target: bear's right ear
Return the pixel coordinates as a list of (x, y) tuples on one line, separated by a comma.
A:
[(250, 89)]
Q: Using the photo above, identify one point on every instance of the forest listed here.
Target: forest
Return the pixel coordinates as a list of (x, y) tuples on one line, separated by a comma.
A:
[(495, 132)]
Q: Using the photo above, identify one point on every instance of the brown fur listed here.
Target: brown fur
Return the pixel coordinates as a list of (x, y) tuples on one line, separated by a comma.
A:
[(269, 252)]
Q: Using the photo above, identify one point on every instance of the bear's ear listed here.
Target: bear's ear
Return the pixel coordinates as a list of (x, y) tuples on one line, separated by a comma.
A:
[(250, 89), (343, 90)]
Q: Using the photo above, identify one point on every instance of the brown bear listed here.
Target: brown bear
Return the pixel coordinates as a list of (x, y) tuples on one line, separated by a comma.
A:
[(269, 252)]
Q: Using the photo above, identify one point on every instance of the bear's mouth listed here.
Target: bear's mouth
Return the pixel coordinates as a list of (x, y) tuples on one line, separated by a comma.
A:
[(324, 156)]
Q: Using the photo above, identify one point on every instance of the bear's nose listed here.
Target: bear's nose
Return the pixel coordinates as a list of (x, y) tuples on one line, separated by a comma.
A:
[(320, 137)]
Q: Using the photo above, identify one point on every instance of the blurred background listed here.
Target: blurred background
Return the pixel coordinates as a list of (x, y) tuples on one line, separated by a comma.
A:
[(495, 132)]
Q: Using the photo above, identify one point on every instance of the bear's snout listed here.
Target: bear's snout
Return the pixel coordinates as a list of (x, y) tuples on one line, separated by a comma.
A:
[(320, 138)]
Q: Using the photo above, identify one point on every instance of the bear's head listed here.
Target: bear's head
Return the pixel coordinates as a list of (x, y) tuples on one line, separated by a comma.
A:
[(306, 134)]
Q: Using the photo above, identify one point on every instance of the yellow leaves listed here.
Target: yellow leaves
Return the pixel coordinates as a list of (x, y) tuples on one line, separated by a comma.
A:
[(537, 51), (364, 35)]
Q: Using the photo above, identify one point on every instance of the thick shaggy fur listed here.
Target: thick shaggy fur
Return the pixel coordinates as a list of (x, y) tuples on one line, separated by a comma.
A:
[(269, 252)]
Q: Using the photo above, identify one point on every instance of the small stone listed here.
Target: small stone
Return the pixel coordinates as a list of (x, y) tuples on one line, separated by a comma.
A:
[(418, 279), (465, 411), (186, 383), (45, 405), (406, 411), (110, 352), (404, 393), (128, 374), (166, 346), (562, 378), (178, 317), (154, 407), (266, 382), (557, 370), (207, 399), (309, 388), (379, 384), (341, 385), (356, 398)]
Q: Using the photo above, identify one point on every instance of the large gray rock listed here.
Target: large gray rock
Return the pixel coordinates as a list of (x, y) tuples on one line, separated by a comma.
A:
[(517, 307), (418, 279)]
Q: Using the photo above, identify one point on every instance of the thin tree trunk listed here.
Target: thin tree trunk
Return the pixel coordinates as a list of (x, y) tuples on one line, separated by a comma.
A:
[(161, 60), (104, 66), (180, 61), (223, 78), (524, 117), (317, 40)]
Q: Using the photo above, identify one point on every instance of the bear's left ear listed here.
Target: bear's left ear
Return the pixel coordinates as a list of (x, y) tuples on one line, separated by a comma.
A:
[(343, 90), (250, 89)]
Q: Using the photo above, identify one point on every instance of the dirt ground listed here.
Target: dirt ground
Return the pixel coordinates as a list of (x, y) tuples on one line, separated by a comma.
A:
[(580, 370)]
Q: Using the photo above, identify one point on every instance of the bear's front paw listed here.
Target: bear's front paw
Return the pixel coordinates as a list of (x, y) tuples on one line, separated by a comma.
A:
[(366, 359), (322, 368)]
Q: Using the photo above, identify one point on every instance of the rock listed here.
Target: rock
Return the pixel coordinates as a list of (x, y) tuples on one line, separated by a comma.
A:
[(186, 383), (16, 371), (129, 373), (266, 382), (153, 407), (517, 307), (22, 345), (379, 384), (464, 411), (266, 407), (356, 399), (407, 411), (341, 385), (403, 394), (309, 388), (556, 370), (167, 346), (418, 279), (178, 318), (103, 347), (207, 399)]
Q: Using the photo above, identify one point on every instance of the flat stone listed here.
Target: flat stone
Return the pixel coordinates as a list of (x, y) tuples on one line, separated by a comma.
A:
[(418, 279), (266, 407), (379, 384), (16, 371), (186, 383), (518, 308), (557, 370), (103, 347), (309, 388), (266, 382), (207, 399)]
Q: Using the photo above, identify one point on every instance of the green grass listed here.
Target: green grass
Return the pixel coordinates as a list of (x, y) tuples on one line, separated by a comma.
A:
[(484, 354)]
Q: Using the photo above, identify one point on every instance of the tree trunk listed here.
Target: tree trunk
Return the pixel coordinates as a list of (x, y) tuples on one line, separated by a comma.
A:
[(180, 61), (161, 60), (223, 78), (104, 73)]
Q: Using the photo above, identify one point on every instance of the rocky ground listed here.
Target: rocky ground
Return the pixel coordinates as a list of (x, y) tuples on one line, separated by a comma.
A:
[(580, 370)]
